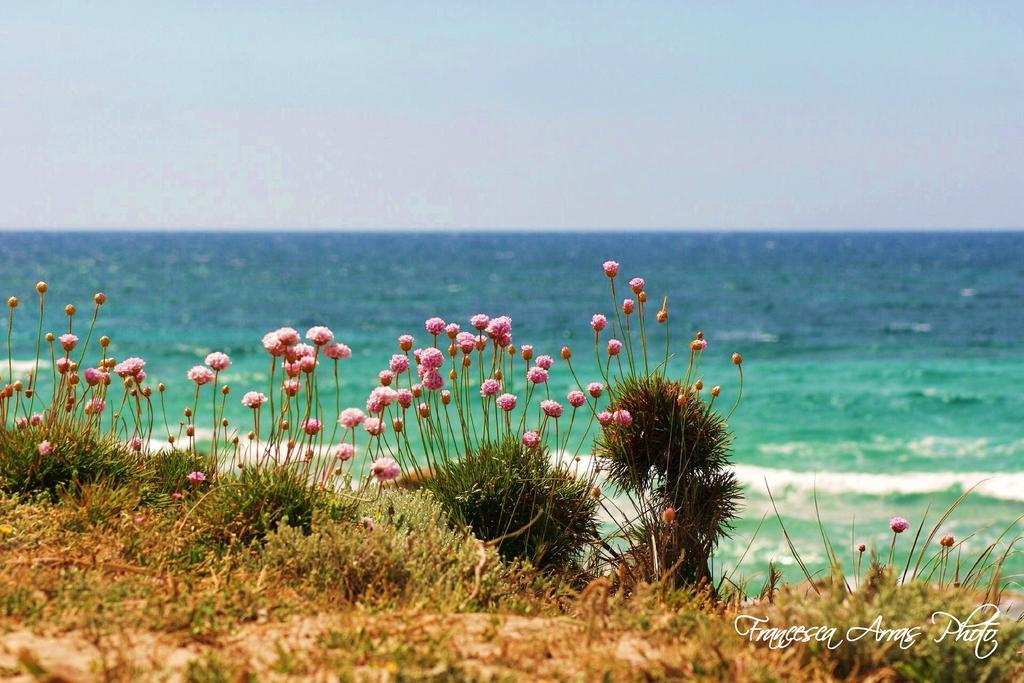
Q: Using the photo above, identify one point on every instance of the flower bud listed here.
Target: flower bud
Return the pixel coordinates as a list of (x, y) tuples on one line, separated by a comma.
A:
[(99, 298), (669, 514), (566, 353), (41, 287), (716, 390), (49, 337), (104, 341), (161, 387), (69, 310), (12, 302), (188, 412), (699, 385), (737, 359)]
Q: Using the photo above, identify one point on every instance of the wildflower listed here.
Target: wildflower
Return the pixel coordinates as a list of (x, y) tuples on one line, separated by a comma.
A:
[(435, 326), (380, 398), (611, 268), (417, 390), (404, 398), (291, 387), (177, 495), (628, 305), (598, 322), (399, 363), (68, 341), (544, 362), (637, 284), (716, 390), (551, 408), (350, 418), (537, 375), (45, 447), (312, 426), (21, 422), (595, 389), (604, 418), (135, 443), (93, 376), (614, 347), (292, 369), (36, 419), (405, 342), (344, 451), (490, 387), (622, 417), (431, 358), (319, 335), (861, 548), (698, 344), (446, 397), (273, 344), (95, 406), (465, 341), (506, 402), (299, 351), (287, 335), (374, 426), (668, 514), (576, 398), (99, 298), (898, 525), (947, 541), (218, 361), (423, 409), (337, 351), (531, 439), (432, 380), (566, 353), (500, 330), (737, 359), (385, 469), (253, 399), (196, 478), (6, 529), (452, 330), (129, 367), (479, 321), (200, 374), (386, 377)]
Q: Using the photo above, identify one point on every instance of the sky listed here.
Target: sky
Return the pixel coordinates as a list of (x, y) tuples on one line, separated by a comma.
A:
[(528, 115)]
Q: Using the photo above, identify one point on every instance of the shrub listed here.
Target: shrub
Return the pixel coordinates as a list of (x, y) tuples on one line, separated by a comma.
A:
[(246, 507), (508, 491), (672, 455), (78, 455)]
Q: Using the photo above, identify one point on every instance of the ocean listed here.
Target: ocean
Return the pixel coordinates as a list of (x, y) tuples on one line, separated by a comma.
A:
[(883, 371)]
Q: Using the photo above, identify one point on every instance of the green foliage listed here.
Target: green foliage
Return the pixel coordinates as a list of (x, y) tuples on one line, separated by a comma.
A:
[(164, 473), (507, 491), (245, 507), (398, 548), (78, 455), (672, 455)]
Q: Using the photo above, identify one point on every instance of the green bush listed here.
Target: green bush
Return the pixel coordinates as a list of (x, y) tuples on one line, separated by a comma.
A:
[(245, 507), (672, 455), (78, 455), (507, 491)]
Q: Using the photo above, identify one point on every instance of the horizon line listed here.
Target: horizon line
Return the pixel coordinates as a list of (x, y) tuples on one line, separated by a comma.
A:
[(511, 230)]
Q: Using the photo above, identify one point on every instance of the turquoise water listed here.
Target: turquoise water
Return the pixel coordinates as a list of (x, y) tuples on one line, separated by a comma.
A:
[(884, 369)]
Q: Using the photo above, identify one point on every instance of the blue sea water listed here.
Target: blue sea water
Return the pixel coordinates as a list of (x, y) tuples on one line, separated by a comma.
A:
[(882, 370)]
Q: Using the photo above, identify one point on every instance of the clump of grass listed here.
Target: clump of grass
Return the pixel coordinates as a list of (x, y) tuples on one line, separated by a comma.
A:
[(514, 497), (672, 455), (245, 507), (80, 456), (166, 472)]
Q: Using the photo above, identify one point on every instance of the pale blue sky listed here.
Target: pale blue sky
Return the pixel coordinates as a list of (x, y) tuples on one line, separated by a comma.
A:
[(520, 115)]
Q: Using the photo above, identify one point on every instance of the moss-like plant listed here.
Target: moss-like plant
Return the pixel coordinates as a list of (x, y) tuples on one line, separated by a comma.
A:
[(673, 454), (513, 494)]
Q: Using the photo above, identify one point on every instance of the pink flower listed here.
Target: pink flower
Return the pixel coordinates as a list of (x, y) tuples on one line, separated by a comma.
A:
[(292, 369), (479, 321), (319, 335), (598, 322), (531, 439), (551, 408), (129, 367), (432, 380), (200, 374), (452, 330), (434, 326), (135, 443), (351, 418), (273, 344), (490, 387), (506, 402), (253, 399), (417, 390), (308, 364), (405, 342), (386, 377), (45, 448), (611, 268), (93, 376), (699, 344), (446, 397), (527, 351), (287, 335), (374, 426), (637, 284), (404, 398), (627, 306), (218, 361), (576, 398), (312, 426), (95, 406), (622, 417), (337, 351), (36, 419), (614, 347), (595, 389), (63, 364), (177, 495), (299, 351), (344, 451), (423, 409), (380, 398), (898, 525), (500, 329), (399, 363), (385, 469), (465, 341), (604, 418), (431, 358), (21, 421), (196, 478), (537, 375), (544, 362), (291, 386), (68, 341)]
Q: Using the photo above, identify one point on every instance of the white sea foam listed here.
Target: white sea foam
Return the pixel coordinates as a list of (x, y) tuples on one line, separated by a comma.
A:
[(1004, 485)]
